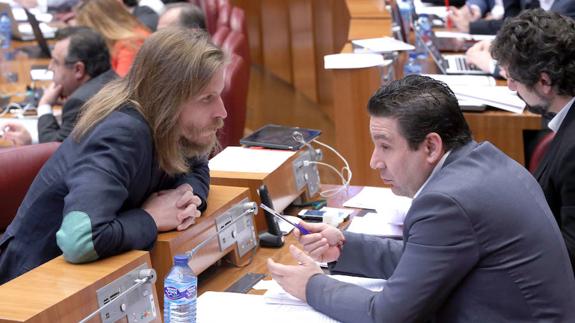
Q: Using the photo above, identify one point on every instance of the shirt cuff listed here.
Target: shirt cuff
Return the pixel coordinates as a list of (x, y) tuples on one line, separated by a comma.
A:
[(44, 109)]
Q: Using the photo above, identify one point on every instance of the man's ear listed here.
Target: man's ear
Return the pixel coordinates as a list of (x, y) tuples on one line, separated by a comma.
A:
[(434, 149), (79, 70), (545, 83)]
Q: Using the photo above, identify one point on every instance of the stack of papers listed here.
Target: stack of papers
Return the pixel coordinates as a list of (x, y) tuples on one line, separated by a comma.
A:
[(218, 307), (277, 295), (495, 96), (375, 224), (381, 199)]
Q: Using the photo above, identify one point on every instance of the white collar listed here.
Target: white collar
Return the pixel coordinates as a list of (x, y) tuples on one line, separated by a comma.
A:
[(557, 120), (435, 170)]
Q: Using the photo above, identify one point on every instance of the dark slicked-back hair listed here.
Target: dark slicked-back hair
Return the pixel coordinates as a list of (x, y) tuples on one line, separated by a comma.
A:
[(88, 47), (421, 106), (538, 42)]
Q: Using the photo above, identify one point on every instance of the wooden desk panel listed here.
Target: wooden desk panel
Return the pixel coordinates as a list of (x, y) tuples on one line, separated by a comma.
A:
[(353, 88), (169, 244), (303, 48), (221, 277), (369, 28), (58, 291)]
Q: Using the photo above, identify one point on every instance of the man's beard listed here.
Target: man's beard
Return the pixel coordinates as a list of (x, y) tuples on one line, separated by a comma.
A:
[(541, 109), (191, 147)]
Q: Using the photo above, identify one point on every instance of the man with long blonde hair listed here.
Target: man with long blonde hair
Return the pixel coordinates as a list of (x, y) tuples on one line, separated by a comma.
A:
[(134, 165)]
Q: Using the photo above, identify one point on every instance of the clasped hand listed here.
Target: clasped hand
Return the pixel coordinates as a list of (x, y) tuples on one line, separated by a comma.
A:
[(173, 209)]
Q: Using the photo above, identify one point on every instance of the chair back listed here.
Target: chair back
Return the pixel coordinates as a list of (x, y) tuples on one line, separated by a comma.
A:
[(237, 43), (18, 168), (234, 96), (220, 35), (540, 151)]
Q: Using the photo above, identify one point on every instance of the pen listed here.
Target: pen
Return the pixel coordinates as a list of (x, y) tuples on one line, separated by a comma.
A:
[(272, 211)]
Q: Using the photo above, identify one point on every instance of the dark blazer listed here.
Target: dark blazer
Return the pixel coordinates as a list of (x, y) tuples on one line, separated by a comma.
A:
[(86, 201), (147, 16), (513, 8), (481, 245), (49, 129), (556, 175)]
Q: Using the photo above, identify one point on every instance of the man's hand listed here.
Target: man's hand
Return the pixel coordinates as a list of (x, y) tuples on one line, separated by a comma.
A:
[(323, 243), (16, 133), (462, 17), (293, 279), (480, 56), (173, 209), (51, 94)]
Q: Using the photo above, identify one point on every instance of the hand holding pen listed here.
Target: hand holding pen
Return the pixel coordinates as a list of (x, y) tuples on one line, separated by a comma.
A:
[(323, 242)]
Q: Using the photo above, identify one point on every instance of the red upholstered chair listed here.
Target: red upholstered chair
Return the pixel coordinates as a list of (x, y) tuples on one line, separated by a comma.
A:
[(237, 43), (238, 21), (223, 3), (18, 168), (540, 151), (224, 12), (210, 8), (235, 96), (220, 35)]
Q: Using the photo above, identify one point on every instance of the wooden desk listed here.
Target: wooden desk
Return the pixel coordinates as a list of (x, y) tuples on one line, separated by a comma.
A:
[(169, 244), (58, 291), (219, 278)]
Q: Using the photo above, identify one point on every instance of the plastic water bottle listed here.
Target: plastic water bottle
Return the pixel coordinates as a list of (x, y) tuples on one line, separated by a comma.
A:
[(412, 66), (5, 31), (423, 37), (180, 292), (406, 10)]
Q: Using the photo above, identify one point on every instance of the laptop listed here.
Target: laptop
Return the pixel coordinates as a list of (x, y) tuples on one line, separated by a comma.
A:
[(401, 31), (42, 50), (449, 64)]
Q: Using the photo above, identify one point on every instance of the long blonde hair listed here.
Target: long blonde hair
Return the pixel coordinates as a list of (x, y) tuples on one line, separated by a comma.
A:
[(174, 65), (111, 19)]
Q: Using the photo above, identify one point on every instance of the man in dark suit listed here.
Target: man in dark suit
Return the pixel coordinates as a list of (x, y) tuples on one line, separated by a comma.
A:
[(538, 54), (479, 242), (81, 66)]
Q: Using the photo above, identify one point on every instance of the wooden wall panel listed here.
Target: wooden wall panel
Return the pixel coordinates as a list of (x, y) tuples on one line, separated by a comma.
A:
[(276, 43), (253, 13), (303, 48)]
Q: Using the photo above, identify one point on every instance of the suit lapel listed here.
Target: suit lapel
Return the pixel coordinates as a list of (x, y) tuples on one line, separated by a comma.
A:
[(555, 143)]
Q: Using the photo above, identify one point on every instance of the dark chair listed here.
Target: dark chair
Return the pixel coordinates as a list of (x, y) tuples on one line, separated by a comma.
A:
[(224, 12), (238, 21), (540, 151), (220, 35), (234, 96), (18, 168), (237, 43), (210, 8)]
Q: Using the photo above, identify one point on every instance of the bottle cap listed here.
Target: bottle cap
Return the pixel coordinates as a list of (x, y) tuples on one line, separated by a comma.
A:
[(181, 260)]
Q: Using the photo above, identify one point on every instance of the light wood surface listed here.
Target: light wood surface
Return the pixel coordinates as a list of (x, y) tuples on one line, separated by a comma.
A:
[(169, 244), (280, 183), (58, 291), (219, 278)]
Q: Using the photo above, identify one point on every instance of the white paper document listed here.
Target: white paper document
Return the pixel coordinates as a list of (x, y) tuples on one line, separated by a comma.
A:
[(375, 224), (277, 295), (350, 60), (496, 96), (466, 36), (382, 45), (464, 80), (381, 199), (249, 160), (218, 307)]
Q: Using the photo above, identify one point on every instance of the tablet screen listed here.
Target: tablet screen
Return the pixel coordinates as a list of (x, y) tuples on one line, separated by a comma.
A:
[(280, 137)]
